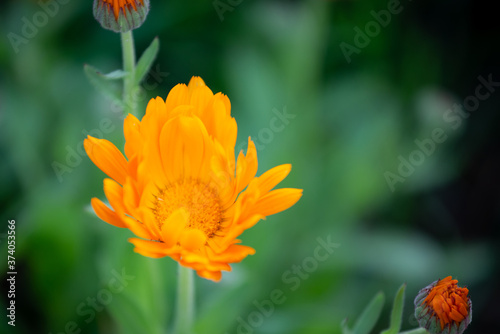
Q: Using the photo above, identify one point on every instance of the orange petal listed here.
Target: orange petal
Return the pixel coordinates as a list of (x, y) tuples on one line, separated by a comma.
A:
[(179, 95), (199, 260), (171, 150), (463, 310), (185, 148), (235, 253), (445, 280), (195, 82), (248, 166), (272, 177), (211, 275), (172, 227), (445, 307), (151, 168), (107, 157), (133, 166), (149, 220), (200, 97), (145, 249), (105, 213), (149, 254), (455, 315), (150, 246), (114, 194), (137, 228), (241, 226), (130, 197), (222, 127), (148, 196), (133, 138), (226, 101), (205, 265), (193, 239), (197, 148), (154, 119), (277, 201)]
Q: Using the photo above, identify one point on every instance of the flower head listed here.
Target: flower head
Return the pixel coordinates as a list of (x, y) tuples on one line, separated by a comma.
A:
[(443, 307), (181, 190), (121, 15)]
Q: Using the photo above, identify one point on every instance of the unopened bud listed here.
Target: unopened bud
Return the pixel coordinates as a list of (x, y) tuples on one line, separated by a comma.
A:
[(121, 15), (443, 307)]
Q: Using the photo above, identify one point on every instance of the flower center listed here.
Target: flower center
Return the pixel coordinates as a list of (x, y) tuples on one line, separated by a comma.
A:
[(449, 301), (200, 200)]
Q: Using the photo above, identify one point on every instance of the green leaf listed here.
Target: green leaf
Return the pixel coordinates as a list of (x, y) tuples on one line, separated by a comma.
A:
[(370, 315), (344, 327), (397, 312), (146, 61), (103, 84)]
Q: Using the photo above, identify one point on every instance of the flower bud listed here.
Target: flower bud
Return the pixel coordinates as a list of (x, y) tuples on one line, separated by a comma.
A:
[(121, 15), (443, 307)]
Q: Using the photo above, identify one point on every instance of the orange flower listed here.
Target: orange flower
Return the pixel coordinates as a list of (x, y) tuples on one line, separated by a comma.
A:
[(181, 189), (444, 307), (121, 15)]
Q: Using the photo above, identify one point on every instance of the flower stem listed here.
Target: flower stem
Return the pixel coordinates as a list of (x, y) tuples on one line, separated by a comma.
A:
[(128, 51), (185, 301)]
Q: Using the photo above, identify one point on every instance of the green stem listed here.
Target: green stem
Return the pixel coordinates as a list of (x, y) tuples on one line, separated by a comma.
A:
[(185, 301), (416, 331), (128, 51)]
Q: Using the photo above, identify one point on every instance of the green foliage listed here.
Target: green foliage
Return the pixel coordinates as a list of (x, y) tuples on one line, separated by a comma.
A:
[(146, 61), (351, 122), (397, 312), (368, 318)]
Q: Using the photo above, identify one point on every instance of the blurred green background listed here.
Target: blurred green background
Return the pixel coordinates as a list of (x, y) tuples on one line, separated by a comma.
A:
[(350, 123)]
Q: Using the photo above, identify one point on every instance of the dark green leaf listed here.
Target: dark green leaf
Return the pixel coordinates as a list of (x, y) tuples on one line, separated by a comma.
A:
[(397, 312), (370, 315), (345, 328), (146, 61)]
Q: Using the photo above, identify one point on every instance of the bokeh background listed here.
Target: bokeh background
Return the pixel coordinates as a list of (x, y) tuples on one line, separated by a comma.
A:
[(351, 121)]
